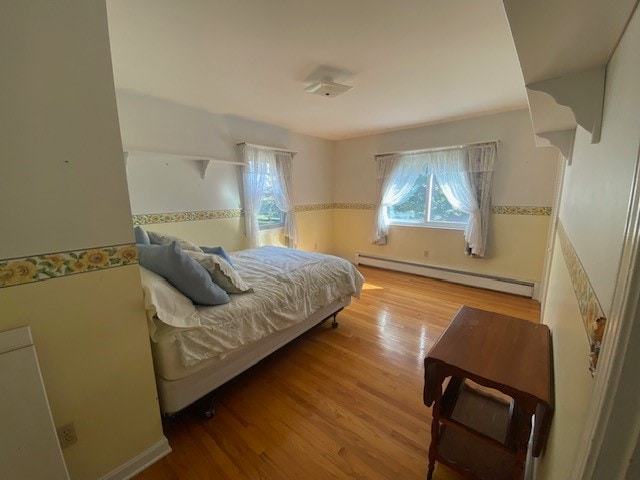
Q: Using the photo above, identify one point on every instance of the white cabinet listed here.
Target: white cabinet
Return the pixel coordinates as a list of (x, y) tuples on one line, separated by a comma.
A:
[(29, 448)]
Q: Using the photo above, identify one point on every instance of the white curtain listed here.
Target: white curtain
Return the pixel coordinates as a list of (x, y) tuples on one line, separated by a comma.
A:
[(260, 162), (254, 175), (457, 187), (396, 177), (464, 174), (481, 160), (282, 165)]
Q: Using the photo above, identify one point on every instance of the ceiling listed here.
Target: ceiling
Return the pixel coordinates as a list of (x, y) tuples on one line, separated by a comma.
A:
[(412, 62)]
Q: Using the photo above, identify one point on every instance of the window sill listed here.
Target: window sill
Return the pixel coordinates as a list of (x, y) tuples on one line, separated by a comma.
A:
[(434, 226), (270, 228)]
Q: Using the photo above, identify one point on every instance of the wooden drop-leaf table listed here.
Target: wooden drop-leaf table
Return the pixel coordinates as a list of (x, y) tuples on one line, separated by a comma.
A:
[(474, 432)]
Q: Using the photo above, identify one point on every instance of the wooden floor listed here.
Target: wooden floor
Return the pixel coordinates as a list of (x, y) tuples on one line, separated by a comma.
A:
[(343, 403)]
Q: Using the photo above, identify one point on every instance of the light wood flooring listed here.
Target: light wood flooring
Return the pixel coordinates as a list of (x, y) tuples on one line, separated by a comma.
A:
[(334, 404)]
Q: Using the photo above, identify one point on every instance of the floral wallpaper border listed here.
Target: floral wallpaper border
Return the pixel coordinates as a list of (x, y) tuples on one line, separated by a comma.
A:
[(150, 218), (592, 314), (154, 218), (314, 207), (497, 210), (19, 271), (521, 210), (354, 206)]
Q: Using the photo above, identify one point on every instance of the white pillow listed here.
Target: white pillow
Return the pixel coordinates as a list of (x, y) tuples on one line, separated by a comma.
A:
[(221, 272), (164, 301), (162, 239)]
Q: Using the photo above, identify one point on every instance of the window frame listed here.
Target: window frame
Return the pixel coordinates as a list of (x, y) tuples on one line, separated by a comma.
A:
[(272, 226), (427, 209)]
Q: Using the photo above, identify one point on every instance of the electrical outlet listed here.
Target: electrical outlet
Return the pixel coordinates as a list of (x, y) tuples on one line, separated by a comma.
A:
[(426, 254), (67, 435), (315, 246)]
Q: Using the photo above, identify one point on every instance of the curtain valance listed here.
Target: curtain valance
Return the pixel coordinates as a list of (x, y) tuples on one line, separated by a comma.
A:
[(473, 158)]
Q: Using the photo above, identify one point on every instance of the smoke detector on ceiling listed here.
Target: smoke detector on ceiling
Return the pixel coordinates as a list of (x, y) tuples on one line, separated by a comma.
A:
[(327, 88)]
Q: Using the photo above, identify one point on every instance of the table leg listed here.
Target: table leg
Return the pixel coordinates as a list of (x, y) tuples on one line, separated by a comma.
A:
[(430, 472), (522, 442), (435, 427)]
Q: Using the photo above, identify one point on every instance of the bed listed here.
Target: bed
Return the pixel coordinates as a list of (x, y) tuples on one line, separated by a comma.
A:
[(196, 349)]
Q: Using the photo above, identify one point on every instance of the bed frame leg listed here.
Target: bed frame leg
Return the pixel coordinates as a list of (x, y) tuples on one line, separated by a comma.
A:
[(169, 419), (210, 409), (334, 323), (210, 412)]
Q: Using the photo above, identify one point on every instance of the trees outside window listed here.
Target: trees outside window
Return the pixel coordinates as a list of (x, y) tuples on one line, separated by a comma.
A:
[(427, 206), (270, 216)]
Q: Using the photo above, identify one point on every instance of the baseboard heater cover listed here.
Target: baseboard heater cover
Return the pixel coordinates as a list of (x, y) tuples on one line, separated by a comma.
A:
[(500, 284)]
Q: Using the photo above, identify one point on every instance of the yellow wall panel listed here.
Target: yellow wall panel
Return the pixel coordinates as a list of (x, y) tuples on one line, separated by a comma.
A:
[(315, 229), (573, 382), (517, 244), (225, 232), (92, 343)]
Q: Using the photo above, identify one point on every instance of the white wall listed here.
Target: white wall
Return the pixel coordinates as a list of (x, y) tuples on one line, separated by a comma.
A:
[(313, 175), (50, 158), (597, 186), (593, 210), (157, 185), (163, 184), (524, 174), (621, 124)]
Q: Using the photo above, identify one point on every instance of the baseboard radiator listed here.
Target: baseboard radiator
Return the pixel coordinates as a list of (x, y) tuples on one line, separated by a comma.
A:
[(500, 284)]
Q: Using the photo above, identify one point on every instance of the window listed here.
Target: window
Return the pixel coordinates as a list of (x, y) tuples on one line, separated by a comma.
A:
[(406, 194), (426, 205), (270, 216), (266, 193)]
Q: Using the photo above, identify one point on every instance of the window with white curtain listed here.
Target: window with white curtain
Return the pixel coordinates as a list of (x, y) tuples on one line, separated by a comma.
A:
[(443, 187), (267, 198), (427, 206)]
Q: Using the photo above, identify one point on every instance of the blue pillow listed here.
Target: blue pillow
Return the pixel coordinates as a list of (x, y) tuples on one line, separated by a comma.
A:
[(182, 272), (220, 252), (142, 238)]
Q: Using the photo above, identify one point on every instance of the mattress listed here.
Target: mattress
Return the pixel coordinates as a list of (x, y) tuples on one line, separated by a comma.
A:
[(168, 365), (289, 287)]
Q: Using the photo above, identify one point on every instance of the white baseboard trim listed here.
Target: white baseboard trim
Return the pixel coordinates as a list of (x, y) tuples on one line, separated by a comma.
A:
[(537, 291), (500, 284), (140, 462)]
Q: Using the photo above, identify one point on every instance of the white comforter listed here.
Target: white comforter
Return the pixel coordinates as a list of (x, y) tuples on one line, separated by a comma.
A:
[(289, 286)]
